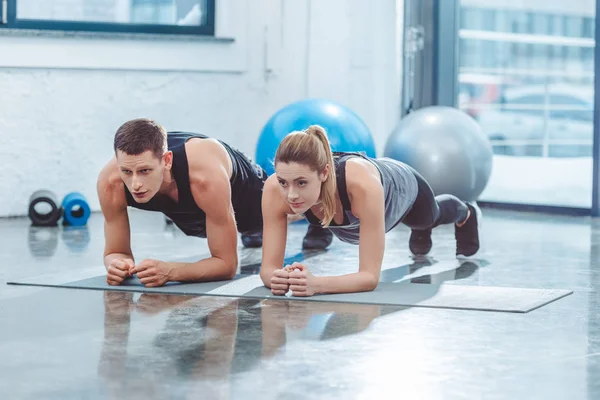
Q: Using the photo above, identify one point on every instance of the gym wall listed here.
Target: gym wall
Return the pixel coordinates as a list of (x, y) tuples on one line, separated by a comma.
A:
[(64, 95)]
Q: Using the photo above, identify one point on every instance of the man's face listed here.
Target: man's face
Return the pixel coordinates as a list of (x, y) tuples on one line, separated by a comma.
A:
[(143, 174)]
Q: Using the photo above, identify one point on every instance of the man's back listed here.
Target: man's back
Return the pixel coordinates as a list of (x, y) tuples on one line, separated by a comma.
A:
[(246, 180)]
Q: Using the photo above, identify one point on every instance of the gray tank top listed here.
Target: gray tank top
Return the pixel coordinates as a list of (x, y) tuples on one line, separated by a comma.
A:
[(399, 187)]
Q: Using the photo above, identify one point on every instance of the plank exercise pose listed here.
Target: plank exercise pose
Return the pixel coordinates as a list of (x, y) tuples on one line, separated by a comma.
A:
[(359, 199)]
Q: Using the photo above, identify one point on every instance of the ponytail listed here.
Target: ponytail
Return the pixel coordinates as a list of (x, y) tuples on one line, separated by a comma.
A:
[(328, 188)]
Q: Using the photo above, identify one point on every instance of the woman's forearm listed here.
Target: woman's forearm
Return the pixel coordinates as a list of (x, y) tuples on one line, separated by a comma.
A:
[(356, 282), (266, 272)]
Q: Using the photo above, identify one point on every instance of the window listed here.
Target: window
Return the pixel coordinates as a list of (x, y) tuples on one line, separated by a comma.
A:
[(189, 17), (574, 102), (527, 100), (535, 66), (571, 108), (588, 27), (529, 104)]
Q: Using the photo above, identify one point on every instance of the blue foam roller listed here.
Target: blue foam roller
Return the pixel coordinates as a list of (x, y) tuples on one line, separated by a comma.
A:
[(76, 209)]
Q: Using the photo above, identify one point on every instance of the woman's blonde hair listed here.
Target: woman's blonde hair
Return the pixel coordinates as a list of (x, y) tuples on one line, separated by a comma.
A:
[(311, 147)]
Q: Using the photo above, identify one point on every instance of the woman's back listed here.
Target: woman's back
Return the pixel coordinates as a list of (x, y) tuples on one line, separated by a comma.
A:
[(400, 191)]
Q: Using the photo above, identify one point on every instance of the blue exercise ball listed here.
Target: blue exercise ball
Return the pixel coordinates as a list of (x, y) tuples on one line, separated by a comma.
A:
[(447, 147), (345, 129)]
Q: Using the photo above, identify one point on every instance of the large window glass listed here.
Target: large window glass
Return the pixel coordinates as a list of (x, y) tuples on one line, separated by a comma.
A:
[(526, 74), (142, 16)]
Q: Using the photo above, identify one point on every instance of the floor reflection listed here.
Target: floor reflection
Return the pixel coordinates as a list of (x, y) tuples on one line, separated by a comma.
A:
[(209, 340)]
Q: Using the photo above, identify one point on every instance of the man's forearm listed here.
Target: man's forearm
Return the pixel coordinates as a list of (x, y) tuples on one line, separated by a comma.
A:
[(110, 257), (350, 283), (209, 269)]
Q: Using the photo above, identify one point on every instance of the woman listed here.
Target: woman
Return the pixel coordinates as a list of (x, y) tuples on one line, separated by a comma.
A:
[(359, 199)]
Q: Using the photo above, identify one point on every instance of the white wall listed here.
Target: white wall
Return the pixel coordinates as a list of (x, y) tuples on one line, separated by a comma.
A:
[(63, 96)]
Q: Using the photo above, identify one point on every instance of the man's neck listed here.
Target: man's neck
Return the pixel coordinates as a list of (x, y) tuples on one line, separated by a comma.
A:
[(169, 186)]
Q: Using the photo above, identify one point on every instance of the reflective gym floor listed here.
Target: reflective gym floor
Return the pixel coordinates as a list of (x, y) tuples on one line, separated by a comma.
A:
[(86, 344)]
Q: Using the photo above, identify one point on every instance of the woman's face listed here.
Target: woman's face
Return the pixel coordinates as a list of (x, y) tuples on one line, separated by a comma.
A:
[(299, 185)]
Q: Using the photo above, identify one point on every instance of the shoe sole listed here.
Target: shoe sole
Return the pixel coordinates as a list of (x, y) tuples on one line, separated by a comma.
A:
[(314, 246), (479, 215), (419, 254)]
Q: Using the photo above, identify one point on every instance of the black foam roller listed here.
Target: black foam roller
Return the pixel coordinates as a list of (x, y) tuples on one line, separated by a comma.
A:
[(44, 219)]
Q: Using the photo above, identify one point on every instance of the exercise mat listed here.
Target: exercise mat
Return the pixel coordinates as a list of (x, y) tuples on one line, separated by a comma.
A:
[(461, 297)]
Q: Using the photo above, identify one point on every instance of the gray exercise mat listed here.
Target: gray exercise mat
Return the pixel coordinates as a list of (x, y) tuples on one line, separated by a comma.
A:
[(461, 297)]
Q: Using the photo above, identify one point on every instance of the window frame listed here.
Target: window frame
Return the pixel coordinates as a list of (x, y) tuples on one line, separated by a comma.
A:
[(10, 21)]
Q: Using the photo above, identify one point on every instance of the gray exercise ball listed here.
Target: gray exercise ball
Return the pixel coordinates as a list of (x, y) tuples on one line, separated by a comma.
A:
[(447, 147)]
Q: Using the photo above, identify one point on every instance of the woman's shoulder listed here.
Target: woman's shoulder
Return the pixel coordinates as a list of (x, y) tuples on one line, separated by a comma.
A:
[(360, 166), (272, 197), (360, 172)]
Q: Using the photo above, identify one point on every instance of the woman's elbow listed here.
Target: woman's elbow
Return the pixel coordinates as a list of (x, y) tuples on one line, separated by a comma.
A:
[(371, 283), (265, 275)]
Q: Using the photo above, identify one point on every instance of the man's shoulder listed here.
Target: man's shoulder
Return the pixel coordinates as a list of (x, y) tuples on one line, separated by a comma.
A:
[(111, 188), (202, 146), (109, 174), (207, 158)]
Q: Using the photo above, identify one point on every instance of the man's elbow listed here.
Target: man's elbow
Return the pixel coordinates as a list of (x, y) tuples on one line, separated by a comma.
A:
[(230, 268), (230, 274)]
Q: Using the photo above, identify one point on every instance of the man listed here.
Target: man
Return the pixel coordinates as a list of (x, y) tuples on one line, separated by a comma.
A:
[(207, 188)]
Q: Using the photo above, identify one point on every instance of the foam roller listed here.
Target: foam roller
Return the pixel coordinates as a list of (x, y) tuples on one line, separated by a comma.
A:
[(76, 209), (49, 218)]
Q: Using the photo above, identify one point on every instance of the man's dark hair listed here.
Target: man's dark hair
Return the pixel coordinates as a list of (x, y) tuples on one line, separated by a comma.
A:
[(140, 135)]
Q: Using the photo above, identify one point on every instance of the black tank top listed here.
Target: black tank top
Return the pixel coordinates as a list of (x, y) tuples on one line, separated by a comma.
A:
[(247, 181)]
